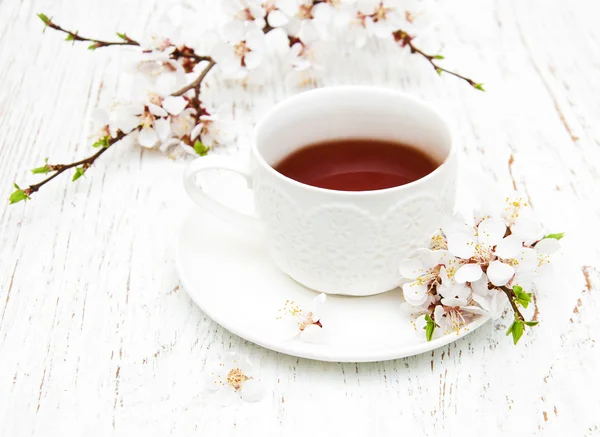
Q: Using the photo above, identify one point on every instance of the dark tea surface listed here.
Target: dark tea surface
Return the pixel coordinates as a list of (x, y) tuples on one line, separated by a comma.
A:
[(356, 165)]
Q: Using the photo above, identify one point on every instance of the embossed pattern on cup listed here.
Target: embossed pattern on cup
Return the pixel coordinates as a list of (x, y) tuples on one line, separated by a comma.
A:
[(341, 248)]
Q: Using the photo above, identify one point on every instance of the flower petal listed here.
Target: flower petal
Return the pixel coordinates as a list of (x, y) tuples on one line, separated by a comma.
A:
[(100, 116), (461, 292), (420, 323), (317, 307), (491, 231), (480, 286), (286, 327), (255, 40), (461, 245), (548, 246), (223, 53), (527, 260), (126, 122), (166, 84), (493, 304), (446, 281), (157, 110), (415, 293), (162, 127), (196, 131), (252, 390), (288, 7), (500, 273), (432, 258), (277, 18), (174, 105), (322, 12), (233, 31), (509, 247), (309, 32), (213, 377), (527, 226), (439, 316), (312, 334), (468, 273), (253, 60), (412, 269), (147, 137)]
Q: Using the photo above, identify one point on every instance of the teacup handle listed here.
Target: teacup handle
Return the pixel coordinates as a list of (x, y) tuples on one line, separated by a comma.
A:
[(239, 219)]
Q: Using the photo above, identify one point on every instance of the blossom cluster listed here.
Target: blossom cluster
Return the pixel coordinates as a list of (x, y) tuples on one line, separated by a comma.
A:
[(168, 109), (167, 114), (476, 269)]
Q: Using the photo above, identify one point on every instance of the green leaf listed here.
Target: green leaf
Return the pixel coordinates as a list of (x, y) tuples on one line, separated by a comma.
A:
[(510, 328), (438, 71), (43, 169), (18, 195), (200, 148), (44, 18), (438, 57), (122, 36), (532, 323), (102, 142), (429, 328), (70, 37), (523, 298), (79, 171), (555, 236), (93, 46), (517, 330), (478, 86)]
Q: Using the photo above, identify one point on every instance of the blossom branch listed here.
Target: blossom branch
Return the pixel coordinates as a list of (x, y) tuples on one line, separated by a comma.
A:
[(57, 169), (74, 36), (404, 39)]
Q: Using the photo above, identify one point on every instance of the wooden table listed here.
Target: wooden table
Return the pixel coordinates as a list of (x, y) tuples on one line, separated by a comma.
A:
[(97, 337)]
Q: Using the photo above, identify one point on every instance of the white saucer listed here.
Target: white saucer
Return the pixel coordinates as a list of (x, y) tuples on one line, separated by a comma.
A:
[(230, 276)]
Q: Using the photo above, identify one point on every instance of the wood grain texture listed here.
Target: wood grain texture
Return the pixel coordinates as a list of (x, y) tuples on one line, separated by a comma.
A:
[(98, 338)]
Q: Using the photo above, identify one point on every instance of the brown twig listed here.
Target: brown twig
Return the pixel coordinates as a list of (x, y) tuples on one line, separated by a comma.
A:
[(74, 36), (404, 39), (196, 83), (511, 298), (85, 163)]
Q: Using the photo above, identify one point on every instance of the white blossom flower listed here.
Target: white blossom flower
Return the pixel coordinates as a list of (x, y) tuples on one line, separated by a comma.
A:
[(150, 117), (489, 249), (302, 22), (453, 316), (244, 50), (303, 56), (245, 11), (150, 109), (233, 377), (212, 130), (308, 323), (522, 222), (424, 272), (452, 291), (275, 16), (378, 18)]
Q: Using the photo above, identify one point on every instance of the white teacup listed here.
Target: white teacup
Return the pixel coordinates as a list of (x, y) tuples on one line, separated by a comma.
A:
[(340, 242)]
